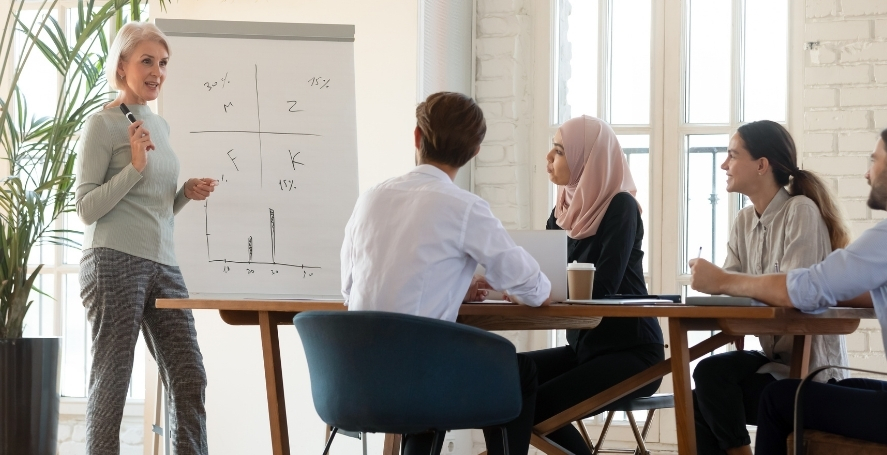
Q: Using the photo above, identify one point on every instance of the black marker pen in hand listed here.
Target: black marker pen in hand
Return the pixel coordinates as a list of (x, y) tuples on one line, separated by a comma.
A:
[(127, 113), (131, 117)]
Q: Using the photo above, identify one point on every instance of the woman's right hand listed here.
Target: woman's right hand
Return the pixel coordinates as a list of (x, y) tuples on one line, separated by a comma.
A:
[(140, 143)]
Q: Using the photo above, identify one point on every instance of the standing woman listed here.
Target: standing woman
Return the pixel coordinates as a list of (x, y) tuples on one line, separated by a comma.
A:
[(597, 208), (127, 195), (782, 230)]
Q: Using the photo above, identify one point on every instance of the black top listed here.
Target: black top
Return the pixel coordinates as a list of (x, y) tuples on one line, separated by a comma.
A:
[(615, 250)]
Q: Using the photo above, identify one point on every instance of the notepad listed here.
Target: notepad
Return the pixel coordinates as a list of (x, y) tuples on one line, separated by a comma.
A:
[(722, 300), (622, 302)]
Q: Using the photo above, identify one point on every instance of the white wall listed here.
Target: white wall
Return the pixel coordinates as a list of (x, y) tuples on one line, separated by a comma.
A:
[(504, 87), (845, 107)]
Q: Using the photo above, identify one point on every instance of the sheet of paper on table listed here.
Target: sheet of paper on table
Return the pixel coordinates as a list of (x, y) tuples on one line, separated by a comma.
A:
[(247, 296), (722, 300), (622, 302)]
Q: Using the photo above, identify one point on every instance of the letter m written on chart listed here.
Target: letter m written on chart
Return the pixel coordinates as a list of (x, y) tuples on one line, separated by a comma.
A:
[(274, 122)]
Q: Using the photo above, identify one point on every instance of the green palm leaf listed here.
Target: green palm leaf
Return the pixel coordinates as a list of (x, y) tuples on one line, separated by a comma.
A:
[(39, 152)]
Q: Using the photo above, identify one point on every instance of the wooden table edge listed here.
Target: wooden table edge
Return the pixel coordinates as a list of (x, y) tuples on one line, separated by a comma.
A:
[(555, 310)]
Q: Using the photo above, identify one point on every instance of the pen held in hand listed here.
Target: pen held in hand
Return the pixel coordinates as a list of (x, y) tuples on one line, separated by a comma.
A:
[(127, 113), (132, 118)]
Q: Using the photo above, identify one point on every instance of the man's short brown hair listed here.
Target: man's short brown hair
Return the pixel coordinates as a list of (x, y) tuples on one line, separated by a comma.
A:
[(452, 127)]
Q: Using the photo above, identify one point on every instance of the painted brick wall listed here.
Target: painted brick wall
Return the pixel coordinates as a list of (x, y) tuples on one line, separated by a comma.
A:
[(845, 106), (72, 435), (503, 88)]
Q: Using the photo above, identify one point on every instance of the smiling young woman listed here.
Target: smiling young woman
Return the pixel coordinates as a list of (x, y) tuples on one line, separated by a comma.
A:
[(784, 229)]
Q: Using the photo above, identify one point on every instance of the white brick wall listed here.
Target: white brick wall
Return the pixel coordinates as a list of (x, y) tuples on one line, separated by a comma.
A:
[(845, 104), (503, 84), (72, 436)]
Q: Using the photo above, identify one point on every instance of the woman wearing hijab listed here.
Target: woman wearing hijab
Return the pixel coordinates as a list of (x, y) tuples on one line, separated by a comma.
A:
[(597, 208)]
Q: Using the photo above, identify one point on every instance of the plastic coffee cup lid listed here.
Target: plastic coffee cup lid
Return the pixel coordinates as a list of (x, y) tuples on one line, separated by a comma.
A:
[(580, 266)]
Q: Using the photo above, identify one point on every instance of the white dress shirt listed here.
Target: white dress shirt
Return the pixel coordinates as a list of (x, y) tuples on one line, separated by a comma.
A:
[(413, 243)]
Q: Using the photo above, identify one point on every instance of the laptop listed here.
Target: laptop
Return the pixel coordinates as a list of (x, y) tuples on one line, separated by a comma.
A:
[(549, 248)]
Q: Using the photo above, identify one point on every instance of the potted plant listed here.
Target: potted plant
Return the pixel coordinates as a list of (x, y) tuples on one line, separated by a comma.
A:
[(38, 186)]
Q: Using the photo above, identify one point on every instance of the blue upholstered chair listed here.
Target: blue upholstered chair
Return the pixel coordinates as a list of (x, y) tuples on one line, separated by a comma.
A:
[(382, 372)]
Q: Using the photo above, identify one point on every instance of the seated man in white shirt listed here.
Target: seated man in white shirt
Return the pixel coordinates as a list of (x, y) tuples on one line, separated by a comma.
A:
[(413, 243)]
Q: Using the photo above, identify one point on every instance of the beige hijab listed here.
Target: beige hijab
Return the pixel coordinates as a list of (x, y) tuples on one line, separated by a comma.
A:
[(598, 171)]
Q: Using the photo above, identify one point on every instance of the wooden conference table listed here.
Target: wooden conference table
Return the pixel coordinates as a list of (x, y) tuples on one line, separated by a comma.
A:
[(731, 321)]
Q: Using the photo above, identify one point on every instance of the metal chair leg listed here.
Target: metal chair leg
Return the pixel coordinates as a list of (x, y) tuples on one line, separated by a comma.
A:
[(363, 437), (504, 439), (584, 433), (158, 404), (647, 424), (434, 443), (637, 434), (600, 440), (326, 450)]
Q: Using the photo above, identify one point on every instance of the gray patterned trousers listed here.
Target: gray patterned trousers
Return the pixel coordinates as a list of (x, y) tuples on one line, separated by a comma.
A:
[(119, 291)]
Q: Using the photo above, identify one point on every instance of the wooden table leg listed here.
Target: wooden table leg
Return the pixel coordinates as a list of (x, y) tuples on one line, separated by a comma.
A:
[(683, 397), (547, 446), (391, 446), (800, 356), (280, 441)]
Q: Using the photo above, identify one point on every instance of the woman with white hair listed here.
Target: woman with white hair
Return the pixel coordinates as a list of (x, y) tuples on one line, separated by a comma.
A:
[(127, 195)]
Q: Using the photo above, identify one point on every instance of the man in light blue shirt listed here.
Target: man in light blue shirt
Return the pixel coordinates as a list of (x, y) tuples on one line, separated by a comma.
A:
[(856, 277)]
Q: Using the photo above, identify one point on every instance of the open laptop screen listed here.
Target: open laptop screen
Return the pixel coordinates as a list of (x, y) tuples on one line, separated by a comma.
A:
[(549, 248)]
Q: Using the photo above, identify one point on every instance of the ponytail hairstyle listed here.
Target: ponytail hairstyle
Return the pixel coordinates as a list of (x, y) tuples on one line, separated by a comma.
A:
[(767, 139)]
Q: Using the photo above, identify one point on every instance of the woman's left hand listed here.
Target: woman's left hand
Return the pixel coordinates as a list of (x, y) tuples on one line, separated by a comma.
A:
[(199, 189)]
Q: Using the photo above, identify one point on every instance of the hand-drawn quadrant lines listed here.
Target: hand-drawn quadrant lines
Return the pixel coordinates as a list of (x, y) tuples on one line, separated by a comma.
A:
[(249, 245), (258, 132)]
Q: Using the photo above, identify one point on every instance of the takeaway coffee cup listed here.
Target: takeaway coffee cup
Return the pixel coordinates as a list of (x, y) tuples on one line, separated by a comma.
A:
[(580, 280)]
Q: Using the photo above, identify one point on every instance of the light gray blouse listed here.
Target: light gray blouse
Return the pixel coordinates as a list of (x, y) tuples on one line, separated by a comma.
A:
[(792, 233), (123, 209)]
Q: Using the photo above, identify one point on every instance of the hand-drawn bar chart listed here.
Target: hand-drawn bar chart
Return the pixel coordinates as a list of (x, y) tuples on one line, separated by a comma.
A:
[(273, 121)]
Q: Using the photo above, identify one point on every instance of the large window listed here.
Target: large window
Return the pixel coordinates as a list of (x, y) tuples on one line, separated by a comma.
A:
[(675, 84), (57, 309), (604, 70)]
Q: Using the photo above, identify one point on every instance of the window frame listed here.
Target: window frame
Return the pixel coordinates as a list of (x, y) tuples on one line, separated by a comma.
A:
[(667, 130)]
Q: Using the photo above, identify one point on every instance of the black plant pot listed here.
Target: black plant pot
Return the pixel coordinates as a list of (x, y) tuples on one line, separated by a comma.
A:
[(29, 396)]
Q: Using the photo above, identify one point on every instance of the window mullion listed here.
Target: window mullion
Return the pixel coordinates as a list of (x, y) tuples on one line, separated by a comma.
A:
[(605, 58), (737, 59), (670, 162)]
